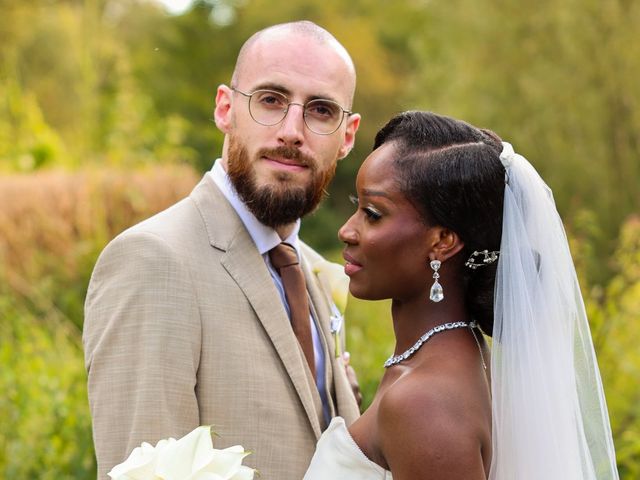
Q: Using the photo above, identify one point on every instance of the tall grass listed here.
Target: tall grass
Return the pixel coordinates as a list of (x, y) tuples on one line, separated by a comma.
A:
[(54, 224)]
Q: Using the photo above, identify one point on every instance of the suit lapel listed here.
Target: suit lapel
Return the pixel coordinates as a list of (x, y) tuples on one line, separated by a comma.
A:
[(246, 266), (343, 402), (321, 314)]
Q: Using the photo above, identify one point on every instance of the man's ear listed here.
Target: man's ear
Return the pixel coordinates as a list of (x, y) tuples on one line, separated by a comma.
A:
[(223, 114), (444, 244), (353, 122)]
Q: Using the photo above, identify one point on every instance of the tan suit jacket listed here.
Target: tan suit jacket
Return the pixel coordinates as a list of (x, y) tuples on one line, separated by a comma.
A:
[(184, 327)]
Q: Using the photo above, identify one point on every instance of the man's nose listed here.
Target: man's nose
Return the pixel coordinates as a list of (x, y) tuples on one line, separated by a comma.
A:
[(291, 131)]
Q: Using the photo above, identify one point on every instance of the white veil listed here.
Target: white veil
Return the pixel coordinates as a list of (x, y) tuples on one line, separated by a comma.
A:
[(550, 419)]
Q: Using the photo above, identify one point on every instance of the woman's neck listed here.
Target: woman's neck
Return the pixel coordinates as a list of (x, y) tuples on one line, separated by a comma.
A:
[(411, 319)]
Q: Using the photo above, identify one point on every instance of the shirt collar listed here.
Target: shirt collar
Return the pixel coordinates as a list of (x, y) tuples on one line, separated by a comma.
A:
[(263, 236)]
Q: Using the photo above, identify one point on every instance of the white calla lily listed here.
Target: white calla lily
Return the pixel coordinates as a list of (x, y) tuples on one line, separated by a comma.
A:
[(192, 457)]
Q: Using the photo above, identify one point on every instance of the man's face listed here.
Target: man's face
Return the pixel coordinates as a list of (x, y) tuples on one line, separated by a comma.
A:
[(281, 171), (283, 198)]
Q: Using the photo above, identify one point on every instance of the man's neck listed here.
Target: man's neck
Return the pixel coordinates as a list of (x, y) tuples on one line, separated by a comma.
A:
[(285, 230)]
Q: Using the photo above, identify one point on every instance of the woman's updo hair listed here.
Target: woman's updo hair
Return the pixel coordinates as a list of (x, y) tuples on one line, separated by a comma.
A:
[(451, 172)]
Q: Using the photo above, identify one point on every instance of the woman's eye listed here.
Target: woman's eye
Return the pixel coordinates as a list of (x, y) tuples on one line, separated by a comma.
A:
[(371, 213)]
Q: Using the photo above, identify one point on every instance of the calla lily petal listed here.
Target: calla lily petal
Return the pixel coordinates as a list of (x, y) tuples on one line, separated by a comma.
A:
[(178, 459), (244, 473), (140, 464)]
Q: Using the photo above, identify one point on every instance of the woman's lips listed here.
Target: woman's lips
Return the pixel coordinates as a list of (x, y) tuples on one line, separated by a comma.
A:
[(351, 267)]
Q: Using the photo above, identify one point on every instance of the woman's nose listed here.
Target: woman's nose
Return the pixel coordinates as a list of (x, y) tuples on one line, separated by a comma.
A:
[(347, 233)]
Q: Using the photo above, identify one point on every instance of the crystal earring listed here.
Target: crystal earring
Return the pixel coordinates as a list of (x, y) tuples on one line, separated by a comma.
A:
[(436, 294)]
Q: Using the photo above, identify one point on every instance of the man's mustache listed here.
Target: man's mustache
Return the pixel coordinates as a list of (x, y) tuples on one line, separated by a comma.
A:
[(290, 153)]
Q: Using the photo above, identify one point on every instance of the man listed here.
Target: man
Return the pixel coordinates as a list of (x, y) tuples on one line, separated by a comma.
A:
[(188, 319)]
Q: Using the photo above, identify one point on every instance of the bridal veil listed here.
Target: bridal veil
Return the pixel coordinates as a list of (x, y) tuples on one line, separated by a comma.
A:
[(550, 418)]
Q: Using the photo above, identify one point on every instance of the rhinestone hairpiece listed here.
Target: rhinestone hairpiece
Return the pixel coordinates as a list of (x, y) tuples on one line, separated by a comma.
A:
[(474, 262)]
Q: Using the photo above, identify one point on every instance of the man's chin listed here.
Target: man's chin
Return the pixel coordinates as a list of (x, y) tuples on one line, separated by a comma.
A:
[(280, 181)]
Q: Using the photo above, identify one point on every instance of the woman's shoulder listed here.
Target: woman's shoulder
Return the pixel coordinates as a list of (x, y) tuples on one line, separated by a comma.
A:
[(428, 420), (422, 396)]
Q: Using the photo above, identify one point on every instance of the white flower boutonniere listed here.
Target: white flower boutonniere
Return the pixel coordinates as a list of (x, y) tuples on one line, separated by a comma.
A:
[(336, 286), (190, 458)]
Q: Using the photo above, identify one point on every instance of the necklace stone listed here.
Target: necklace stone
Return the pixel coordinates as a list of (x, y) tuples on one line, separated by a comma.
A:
[(392, 360)]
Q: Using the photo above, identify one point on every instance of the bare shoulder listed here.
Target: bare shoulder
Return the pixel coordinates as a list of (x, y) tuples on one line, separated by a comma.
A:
[(428, 428)]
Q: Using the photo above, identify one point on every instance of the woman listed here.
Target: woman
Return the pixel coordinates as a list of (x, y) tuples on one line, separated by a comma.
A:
[(463, 235)]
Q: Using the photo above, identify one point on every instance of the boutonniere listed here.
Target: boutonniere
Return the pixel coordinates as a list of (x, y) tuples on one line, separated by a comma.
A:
[(335, 284)]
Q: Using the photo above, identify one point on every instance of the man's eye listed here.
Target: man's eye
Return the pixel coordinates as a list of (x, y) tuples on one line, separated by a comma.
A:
[(270, 99), (322, 109)]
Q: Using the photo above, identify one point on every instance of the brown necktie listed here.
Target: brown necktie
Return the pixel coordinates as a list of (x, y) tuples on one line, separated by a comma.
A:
[(285, 260)]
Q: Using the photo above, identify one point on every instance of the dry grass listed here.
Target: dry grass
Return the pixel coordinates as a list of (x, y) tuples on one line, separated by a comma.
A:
[(54, 224)]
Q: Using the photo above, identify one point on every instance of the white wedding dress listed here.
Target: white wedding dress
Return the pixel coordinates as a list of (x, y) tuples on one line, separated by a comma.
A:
[(338, 457)]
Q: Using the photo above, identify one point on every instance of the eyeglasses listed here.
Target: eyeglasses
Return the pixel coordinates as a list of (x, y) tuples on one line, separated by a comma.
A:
[(321, 116)]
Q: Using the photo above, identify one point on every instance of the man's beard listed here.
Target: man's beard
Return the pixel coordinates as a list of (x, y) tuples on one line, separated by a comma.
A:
[(281, 204)]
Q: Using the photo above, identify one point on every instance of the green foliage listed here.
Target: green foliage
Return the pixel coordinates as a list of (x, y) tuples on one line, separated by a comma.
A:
[(85, 106), (370, 341), (27, 142), (46, 426), (615, 317)]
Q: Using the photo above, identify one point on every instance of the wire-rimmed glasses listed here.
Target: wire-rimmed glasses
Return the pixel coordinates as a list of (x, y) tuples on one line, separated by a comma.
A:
[(268, 107)]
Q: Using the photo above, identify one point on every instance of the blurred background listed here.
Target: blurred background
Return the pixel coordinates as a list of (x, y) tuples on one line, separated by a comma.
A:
[(105, 119)]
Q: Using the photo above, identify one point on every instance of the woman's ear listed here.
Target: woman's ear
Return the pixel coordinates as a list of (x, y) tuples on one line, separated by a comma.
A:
[(444, 244)]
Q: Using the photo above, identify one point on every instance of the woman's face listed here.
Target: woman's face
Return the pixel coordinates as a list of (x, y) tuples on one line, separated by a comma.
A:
[(387, 241)]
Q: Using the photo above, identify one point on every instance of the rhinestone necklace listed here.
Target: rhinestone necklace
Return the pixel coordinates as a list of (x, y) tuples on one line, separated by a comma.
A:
[(392, 360)]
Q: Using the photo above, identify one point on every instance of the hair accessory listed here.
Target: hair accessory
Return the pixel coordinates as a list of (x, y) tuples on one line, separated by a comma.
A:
[(489, 257), (436, 294), (508, 155), (392, 360)]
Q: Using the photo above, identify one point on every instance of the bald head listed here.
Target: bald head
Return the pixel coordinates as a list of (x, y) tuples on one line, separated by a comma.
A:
[(290, 31)]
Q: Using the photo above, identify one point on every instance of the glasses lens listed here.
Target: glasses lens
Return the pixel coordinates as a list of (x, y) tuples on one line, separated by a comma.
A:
[(268, 107), (323, 116)]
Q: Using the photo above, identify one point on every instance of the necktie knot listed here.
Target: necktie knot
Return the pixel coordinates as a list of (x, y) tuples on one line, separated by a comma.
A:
[(283, 255)]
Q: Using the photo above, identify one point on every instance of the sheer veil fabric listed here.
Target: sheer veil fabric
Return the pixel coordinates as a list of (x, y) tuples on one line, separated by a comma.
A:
[(550, 418)]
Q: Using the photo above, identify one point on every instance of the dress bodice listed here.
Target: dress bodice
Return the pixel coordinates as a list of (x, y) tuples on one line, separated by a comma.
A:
[(338, 457)]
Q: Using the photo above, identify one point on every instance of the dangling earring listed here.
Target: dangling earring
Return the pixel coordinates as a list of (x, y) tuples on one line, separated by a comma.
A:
[(436, 294)]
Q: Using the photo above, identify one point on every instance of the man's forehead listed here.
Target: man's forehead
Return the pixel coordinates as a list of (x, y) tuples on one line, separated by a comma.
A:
[(282, 43), (294, 61)]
